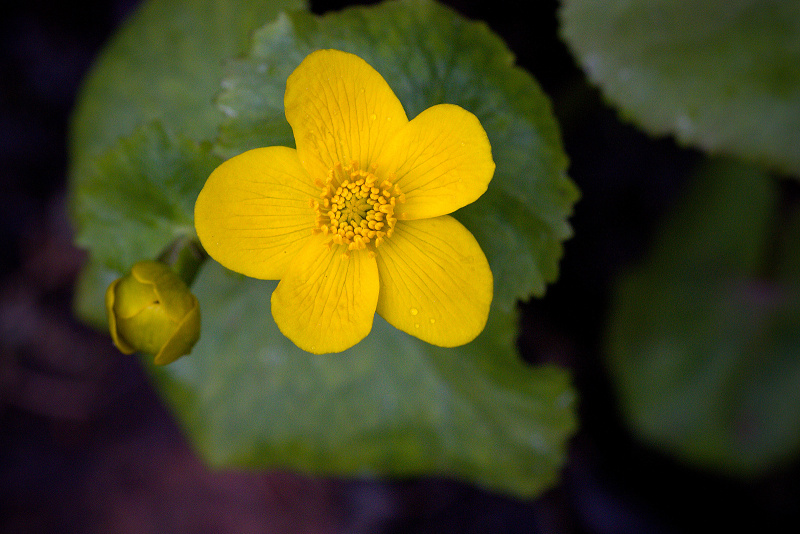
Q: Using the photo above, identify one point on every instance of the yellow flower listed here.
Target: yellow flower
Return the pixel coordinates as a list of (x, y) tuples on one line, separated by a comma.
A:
[(355, 220), (152, 311)]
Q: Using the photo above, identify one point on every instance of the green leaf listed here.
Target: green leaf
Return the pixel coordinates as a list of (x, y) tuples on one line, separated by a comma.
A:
[(163, 65), (430, 55), (721, 75), (704, 352), (391, 405), (139, 197)]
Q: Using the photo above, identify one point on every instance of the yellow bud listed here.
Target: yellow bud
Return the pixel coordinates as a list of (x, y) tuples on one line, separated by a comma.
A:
[(152, 311)]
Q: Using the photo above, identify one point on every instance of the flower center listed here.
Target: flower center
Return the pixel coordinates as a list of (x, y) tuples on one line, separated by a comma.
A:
[(354, 209)]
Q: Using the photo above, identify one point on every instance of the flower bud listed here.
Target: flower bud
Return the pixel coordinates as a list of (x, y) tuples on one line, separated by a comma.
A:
[(152, 311)]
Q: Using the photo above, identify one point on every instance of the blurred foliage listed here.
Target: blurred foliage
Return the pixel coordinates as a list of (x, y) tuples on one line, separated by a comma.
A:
[(720, 75), (703, 341)]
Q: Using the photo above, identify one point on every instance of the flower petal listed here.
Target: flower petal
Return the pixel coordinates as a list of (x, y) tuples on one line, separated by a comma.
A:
[(341, 110), (326, 303), (442, 161), (166, 288), (435, 281), (118, 340), (183, 338), (253, 214)]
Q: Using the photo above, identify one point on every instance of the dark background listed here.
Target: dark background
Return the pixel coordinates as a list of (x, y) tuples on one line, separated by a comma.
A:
[(86, 445)]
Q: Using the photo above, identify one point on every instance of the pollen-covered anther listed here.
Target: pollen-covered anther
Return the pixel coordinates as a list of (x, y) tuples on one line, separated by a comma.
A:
[(354, 209)]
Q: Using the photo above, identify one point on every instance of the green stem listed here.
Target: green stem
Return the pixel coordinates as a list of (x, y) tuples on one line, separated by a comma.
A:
[(185, 256)]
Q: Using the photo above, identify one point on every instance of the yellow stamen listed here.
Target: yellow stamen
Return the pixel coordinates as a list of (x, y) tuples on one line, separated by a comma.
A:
[(354, 209)]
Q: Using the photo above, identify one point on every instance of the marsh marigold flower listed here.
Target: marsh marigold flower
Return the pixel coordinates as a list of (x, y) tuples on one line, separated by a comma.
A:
[(355, 220)]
